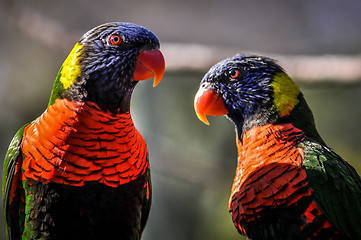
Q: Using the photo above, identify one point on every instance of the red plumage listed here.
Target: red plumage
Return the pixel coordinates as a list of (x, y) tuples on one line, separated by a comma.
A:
[(66, 145), (270, 176)]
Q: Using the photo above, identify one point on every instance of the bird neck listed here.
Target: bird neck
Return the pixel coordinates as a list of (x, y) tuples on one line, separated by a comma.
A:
[(300, 117), (68, 74), (257, 118)]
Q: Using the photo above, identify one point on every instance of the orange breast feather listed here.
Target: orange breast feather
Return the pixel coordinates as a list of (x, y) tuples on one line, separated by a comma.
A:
[(75, 142), (269, 172)]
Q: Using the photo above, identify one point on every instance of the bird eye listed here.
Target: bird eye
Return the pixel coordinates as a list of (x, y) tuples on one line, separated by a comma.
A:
[(115, 39), (233, 73)]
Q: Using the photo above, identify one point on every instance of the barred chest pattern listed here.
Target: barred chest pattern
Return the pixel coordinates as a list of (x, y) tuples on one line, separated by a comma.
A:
[(270, 183), (75, 142)]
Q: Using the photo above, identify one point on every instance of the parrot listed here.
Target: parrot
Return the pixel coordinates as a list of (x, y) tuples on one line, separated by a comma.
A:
[(81, 169), (288, 183)]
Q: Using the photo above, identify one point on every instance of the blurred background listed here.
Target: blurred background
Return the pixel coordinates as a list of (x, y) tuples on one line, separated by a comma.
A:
[(317, 41)]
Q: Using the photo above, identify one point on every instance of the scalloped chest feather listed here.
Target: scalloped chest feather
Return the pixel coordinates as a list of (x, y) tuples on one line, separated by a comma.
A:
[(75, 142), (271, 197)]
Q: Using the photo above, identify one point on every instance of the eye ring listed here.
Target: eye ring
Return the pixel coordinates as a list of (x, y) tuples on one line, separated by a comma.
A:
[(233, 73), (115, 39)]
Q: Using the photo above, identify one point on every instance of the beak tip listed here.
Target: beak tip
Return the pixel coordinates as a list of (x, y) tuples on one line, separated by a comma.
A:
[(157, 80), (203, 118)]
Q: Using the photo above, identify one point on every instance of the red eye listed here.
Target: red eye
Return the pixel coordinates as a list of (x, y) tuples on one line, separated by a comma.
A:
[(233, 73), (115, 39)]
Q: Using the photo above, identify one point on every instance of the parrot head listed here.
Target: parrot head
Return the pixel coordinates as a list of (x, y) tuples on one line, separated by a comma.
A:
[(251, 91), (107, 63)]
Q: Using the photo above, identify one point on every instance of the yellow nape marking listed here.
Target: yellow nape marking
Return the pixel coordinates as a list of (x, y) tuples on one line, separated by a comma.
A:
[(71, 67), (285, 93)]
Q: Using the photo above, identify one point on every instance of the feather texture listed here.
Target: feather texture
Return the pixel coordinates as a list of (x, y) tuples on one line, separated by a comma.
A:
[(288, 183), (81, 169)]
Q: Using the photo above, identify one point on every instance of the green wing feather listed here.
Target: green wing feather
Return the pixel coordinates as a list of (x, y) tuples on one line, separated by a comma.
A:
[(11, 185), (57, 89), (337, 187)]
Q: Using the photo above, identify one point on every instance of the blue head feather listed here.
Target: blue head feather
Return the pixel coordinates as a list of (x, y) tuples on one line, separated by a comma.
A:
[(107, 69), (247, 95)]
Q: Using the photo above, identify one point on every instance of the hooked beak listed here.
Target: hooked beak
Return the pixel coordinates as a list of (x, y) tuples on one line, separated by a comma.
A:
[(208, 102), (150, 63)]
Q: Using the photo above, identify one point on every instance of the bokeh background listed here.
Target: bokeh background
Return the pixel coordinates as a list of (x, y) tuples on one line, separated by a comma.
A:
[(317, 41)]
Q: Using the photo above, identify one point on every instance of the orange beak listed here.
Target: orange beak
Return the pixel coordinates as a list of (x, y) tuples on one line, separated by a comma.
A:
[(208, 102), (149, 64)]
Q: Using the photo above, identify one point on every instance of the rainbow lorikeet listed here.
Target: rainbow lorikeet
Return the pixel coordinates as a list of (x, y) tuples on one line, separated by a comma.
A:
[(289, 184), (81, 170)]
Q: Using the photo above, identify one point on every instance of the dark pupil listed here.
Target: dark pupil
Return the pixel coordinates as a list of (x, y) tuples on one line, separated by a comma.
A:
[(115, 39), (232, 73)]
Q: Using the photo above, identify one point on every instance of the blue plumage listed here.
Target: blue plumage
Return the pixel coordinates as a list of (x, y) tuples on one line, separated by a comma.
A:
[(245, 96)]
